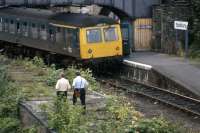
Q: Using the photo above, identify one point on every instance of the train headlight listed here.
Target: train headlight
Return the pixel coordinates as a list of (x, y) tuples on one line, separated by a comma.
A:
[(90, 51), (117, 48)]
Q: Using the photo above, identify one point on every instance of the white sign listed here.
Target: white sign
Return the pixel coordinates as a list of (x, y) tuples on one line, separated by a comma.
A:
[(180, 25)]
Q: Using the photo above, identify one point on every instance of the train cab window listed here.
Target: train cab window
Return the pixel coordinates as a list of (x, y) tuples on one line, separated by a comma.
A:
[(110, 34), (34, 31), (94, 35), (1, 24), (25, 29), (12, 27), (43, 32)]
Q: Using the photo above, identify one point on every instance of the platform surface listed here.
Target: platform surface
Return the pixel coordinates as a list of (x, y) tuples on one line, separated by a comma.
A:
[(177, 69)]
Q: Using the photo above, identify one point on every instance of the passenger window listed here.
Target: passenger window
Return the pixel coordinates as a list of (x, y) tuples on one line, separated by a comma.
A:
[(1, 24), (34, 31), (18, 28), (51, 35), (12, 27), (59, 35), (25, 29), (6, 25), (94, 36), (43, 32), (110, 34)]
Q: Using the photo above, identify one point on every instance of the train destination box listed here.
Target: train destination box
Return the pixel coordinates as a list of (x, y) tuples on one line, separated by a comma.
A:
[(180, 25)]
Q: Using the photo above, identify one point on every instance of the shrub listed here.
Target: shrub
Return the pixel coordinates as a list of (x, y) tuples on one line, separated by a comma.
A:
[(53, 75), (66, 118), (9, 97), (9, 125), (38, 61), (155, 125)]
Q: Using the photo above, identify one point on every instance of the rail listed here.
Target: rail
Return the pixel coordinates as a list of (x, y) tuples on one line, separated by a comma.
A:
[(178, 101)]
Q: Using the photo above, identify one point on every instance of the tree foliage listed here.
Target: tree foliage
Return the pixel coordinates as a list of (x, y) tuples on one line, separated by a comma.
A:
[(195, 48)]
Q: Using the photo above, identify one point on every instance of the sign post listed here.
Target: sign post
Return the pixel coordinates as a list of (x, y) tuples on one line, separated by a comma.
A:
[(182, 25)]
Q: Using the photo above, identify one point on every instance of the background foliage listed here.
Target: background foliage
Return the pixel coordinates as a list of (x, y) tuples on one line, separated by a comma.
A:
[(195, 48)]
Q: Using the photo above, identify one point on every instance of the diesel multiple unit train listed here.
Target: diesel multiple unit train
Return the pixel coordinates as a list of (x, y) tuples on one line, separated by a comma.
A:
[(81, 36)]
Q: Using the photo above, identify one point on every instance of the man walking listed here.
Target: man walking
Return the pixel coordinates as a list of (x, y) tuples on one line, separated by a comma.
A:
[(79, 85), (62, 86)]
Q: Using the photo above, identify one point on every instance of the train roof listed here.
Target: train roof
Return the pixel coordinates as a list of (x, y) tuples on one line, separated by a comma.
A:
[(27, 12), (81, 20), (71, 19)]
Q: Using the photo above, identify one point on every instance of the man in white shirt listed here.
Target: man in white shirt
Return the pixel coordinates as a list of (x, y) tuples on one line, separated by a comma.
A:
[(79, 85), (62, 86)]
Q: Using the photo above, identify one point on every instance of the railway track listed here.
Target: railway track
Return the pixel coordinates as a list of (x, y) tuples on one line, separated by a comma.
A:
[(178, 101)]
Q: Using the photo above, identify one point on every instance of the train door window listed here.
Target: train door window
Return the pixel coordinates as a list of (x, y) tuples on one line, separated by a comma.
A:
[(1, 24), (59, 35), (34, 31), (75, 38), (25, 29), (43, 32), (12, 27), (94, 36), (68, 37), (6, 25), (110, 34)]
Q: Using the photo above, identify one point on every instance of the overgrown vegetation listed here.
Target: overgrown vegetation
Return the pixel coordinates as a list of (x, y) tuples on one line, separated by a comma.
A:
[(195, 47), (9, 98), (118, 116)]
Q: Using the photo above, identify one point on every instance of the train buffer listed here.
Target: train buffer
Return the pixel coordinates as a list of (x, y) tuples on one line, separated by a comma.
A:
[(182, 71)]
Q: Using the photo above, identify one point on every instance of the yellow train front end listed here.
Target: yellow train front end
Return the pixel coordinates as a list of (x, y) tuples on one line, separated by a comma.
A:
[(100, 42)]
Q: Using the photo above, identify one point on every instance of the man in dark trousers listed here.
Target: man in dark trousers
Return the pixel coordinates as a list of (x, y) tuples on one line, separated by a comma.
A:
[(79, 85)]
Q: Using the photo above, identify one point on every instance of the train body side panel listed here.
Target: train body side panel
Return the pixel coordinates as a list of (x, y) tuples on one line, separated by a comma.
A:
[(101, 49)]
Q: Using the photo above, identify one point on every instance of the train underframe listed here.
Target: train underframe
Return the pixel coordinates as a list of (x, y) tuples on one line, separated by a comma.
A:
[(99, 65)]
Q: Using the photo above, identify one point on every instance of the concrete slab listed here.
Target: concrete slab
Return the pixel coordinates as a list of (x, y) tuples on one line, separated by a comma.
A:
[(31, 113), (177, 69)]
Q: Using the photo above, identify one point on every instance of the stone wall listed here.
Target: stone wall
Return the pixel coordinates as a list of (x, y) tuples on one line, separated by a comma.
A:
[(164, 35)]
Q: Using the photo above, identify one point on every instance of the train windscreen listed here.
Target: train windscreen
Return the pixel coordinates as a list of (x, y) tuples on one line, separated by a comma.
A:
[(94, 35), (110, 34)]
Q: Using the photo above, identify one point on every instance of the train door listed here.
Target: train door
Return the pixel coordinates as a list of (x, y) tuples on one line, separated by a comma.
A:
[(71, 43), (126, 29)]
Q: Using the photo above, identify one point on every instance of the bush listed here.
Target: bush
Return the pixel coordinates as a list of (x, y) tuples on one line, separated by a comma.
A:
[(9, 125), (9, 98), (195, 50), (53, 75), (155, 125), (38, 61), (66, 118)]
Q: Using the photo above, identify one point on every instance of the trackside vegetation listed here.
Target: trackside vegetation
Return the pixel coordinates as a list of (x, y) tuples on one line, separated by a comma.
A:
[(118, 115)]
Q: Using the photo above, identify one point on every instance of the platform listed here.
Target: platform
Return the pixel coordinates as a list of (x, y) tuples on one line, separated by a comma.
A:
[(177, 69)]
